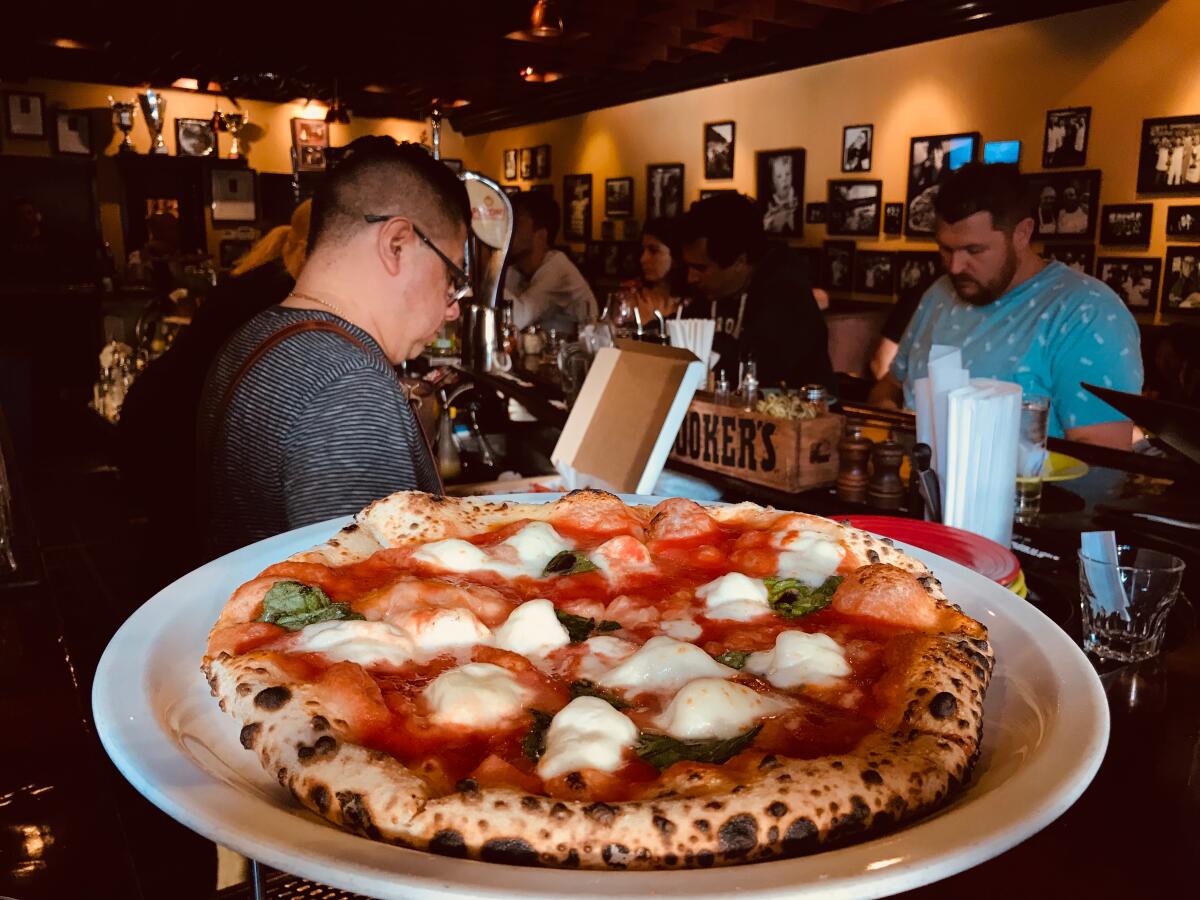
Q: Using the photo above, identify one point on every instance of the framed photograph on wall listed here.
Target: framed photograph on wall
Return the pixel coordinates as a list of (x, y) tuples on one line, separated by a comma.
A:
[(195, 137), (1183, 221), (930, 160), (718, 149), (854, 207), (857, 144), (664, 190), (816, 213), (1064, 204), (705, 193), (25, 115), (874, 272), (577, 208), (779, 186), (1170, 156), (72, 132), (838, 271), (1181, 280), (1079, 257), (233, 197), (893, 218), (526, 170), (618, 198), (541, 161), (510, 165), (1065, 143), (1133, 279), (1126, 223), (310, 140), (916, 271)]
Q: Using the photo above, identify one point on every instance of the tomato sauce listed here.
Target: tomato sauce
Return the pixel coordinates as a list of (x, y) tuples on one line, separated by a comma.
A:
[(820, 723)]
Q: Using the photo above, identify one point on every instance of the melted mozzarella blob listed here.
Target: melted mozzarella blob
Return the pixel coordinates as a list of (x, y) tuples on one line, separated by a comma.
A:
[(365, 643), (809, 556), (587, 733), (664, 664), (603, 652), (476, 695), (535, 545), (714, 708), (734, 596), (532, 629), (434, 630), (800, 658)]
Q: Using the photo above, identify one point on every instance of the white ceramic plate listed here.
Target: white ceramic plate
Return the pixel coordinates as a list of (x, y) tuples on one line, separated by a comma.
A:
[(1045, 733)]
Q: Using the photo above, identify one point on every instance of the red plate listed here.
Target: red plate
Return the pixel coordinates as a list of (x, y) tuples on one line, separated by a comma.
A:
[(974, 551)]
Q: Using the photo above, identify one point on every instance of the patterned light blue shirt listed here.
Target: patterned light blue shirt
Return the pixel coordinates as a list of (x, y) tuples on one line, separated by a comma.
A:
[(1048, 334)]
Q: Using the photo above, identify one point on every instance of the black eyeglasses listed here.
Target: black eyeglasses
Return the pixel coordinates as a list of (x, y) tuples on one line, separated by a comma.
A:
[(460, 284)]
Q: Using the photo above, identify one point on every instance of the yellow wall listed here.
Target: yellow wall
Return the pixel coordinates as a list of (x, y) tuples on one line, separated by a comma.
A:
[(1128, 62), (269, 140)]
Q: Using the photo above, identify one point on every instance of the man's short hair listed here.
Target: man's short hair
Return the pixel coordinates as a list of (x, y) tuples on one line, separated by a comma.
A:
[(377, 176), (732, 226), (542, 208), (995, 188)]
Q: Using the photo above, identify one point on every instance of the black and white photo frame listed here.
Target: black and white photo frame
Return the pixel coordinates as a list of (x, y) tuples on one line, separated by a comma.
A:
[(1064, 144), (779, 186), (618, 198), (541, 161), (664, 190), (854, 208), (931, 159), (858, 142), (526, 168), (838, 271), (72, 132), (1183, 221), (1132, 278), (1169, 162), (893, 218), (875, 272), (1126, 223), (232, 195), (25, 115), (1064, 205), (510, 165), (577, 208), (195, 137), (1181, 280), (719, 144), (816, 213)]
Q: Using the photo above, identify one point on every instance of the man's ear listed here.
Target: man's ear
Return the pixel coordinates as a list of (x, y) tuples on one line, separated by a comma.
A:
[(394, 236), (1023, 234)]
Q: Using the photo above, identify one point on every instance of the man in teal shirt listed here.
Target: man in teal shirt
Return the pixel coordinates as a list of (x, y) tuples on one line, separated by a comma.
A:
[(1016, 317)]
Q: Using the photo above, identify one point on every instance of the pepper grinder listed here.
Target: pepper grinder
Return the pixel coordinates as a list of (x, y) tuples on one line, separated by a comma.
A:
[(886, 490), (854, 451)]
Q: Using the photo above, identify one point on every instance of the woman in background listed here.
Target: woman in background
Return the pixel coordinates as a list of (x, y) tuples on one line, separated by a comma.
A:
[(664, 278)]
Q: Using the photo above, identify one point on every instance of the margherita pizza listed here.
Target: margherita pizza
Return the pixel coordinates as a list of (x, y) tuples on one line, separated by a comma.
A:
[(590, 684)]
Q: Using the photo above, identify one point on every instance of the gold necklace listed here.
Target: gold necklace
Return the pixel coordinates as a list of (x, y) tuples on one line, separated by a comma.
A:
[(325, 303)]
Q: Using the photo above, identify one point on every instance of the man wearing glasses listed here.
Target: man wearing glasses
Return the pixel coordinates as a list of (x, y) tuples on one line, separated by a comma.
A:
[(303, 417)]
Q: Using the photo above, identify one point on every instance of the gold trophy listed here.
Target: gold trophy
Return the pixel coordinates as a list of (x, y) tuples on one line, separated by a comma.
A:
[(154, 108), (234, 123), (123, 113)]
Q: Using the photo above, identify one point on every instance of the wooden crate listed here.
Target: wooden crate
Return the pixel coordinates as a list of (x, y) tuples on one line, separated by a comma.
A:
[(787, 454)]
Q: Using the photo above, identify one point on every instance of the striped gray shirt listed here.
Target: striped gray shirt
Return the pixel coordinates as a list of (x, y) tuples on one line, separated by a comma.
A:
[(317, 428)]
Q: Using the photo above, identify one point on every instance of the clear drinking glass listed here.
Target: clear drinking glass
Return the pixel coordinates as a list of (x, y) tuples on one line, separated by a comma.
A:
[(1125, 605), (1031, 456)]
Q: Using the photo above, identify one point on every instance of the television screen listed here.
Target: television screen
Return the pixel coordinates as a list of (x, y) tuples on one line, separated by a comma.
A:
[(1002, 151)]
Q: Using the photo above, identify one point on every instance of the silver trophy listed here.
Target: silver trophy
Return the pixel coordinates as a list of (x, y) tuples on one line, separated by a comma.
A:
[(234, 123), (123, 113), (154, 108)]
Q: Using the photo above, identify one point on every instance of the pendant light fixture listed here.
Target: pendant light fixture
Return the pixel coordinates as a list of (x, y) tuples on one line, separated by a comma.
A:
[(337, 110)]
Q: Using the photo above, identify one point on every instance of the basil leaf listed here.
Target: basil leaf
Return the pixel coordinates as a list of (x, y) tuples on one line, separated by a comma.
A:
[(580, 628), (292, 605), (533, 745), (792, 598), (568, 562), (663, 751), (735, 659), (584, 688)]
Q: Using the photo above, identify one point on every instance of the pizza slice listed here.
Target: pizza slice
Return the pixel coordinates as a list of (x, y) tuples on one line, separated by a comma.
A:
[(584, 683)]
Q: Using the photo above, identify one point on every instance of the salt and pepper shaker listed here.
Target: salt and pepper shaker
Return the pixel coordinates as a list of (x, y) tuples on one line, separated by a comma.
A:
[(854, 450), (885, 489)]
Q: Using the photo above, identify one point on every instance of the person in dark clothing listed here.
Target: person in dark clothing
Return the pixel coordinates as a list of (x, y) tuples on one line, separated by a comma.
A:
[(157, 429), (759, 295)]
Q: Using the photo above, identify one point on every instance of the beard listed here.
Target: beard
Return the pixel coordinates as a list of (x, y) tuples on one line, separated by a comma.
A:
[(980, 293)]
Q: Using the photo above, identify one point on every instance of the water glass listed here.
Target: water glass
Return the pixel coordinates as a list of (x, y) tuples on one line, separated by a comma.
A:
[(1125, 605), (1031, 456)]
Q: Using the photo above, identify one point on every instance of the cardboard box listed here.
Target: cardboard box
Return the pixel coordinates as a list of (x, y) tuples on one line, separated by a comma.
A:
[(624, 421), (787, 454)]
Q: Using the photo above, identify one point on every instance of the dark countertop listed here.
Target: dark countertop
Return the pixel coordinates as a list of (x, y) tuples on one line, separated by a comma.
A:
[(70, 826)]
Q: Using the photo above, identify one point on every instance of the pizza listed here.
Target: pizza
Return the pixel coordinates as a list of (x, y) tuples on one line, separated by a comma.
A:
[(585, 683)]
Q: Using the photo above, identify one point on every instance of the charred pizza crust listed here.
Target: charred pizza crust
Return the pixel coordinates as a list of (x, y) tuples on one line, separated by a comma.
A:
[(923, 753)]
